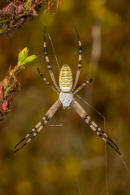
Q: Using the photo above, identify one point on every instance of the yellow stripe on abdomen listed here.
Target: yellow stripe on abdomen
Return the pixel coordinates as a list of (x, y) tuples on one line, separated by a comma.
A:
[(65, 79)]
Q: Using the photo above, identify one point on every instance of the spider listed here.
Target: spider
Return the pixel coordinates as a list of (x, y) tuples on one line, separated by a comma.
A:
[(66, 91)]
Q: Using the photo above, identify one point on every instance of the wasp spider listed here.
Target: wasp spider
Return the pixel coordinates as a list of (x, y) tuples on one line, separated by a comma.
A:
[(66, 90)]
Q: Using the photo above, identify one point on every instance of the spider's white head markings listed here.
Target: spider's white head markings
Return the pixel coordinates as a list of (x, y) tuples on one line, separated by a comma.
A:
[(65, 83)]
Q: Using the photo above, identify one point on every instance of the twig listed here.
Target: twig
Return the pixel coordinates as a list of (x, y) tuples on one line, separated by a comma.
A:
[(9, 85), (17, 12)]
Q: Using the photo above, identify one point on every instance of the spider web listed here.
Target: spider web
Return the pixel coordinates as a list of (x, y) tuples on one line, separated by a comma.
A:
[(104, 124)]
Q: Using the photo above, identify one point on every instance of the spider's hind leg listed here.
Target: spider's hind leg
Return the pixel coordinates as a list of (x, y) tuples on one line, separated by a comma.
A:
[(95, 128), (33, 132)]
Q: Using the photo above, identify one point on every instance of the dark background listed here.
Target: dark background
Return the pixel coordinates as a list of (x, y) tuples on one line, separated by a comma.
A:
[(69, 159)]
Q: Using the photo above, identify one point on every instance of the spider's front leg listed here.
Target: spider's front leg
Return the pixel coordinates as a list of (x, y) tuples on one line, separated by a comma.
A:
[(83, 114), (46, 81), (83, 85), (48, 62), (79, 60), (33, 132)]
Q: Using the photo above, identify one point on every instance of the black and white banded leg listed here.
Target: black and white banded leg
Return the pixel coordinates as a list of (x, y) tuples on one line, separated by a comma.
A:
[(83, 85), (48, 62), (79, 61), (83, 114), (33, 132), (46, 81)]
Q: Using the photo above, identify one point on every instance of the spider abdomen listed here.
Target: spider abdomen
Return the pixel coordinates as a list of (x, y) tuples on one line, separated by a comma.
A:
[(65, 79)]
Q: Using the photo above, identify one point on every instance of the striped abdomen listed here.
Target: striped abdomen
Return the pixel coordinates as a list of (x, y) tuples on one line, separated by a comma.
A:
[(65, 79)]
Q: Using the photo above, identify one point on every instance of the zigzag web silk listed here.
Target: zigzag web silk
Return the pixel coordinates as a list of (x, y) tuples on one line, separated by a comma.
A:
[(58, 65)]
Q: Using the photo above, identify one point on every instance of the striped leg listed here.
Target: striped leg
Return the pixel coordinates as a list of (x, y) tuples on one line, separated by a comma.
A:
[(33, 132), (80, 60), (83, 114), (46, 81), (83, 85), (48, 62)]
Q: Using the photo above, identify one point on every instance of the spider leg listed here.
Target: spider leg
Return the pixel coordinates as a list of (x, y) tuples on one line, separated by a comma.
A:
[(48, 62), (46, 81), (83, 114), (79, 61), (33, 132), (83, 85)]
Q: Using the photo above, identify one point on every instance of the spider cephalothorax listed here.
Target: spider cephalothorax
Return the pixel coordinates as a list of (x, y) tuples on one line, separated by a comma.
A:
[(66, 91)]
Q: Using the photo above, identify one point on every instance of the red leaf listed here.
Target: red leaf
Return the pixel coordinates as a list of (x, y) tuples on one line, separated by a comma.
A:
[(4, 106)]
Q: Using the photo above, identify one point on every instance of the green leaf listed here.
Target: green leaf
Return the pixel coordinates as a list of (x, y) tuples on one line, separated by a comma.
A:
[(3, 29), (22, 55), (27, 4), (30, 59), (3, 21), (26, 60)]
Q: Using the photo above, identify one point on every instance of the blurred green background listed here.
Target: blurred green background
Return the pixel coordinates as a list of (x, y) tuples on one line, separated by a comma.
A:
[(69, 159)]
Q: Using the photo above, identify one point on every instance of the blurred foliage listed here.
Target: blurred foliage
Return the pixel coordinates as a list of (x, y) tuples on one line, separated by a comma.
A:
[(9, 85), (17, 12), (69, 159)]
